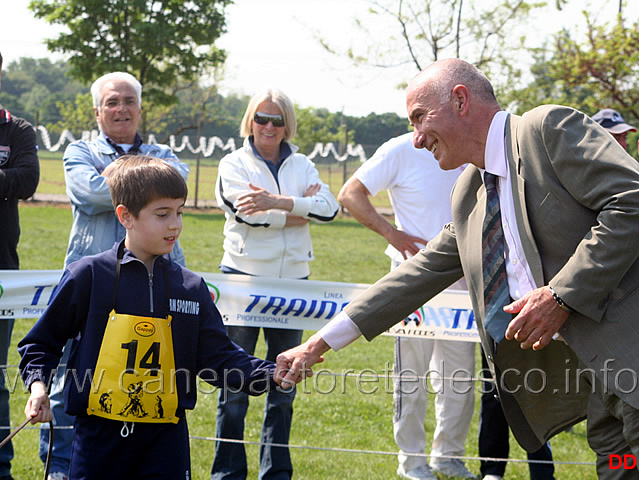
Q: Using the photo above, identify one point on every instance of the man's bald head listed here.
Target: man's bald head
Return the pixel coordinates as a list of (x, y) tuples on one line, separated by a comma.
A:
[(441, 77)]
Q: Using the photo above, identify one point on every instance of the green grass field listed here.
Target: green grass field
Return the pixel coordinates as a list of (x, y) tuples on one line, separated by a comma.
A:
[(334, 175), (336, 435)]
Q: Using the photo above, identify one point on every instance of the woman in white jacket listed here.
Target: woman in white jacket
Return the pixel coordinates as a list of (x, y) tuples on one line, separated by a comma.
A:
[(269, 194)]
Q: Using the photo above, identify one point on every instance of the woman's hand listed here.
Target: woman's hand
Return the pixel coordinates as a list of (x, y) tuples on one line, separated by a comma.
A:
[(312, 190), (260, 200)]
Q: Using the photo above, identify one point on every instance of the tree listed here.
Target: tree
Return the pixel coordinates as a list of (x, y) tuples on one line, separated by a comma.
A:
[(606, 63), (35, 88), (600, 71), (316, 126), (484, 33), (158, 41), (373, 130), (77, 116)]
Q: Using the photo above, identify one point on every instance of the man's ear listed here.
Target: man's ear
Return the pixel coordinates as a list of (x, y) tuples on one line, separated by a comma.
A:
[(124, 215), (460, 98)]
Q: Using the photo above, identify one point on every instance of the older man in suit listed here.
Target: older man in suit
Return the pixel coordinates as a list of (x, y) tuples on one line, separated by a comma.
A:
[(568, 195)]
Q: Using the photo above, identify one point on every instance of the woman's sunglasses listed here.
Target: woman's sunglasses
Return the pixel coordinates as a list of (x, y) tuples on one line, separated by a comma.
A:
[(263, 119)]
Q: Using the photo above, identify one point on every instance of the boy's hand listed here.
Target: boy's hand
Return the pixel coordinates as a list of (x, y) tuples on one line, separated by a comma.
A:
[(38, 407)]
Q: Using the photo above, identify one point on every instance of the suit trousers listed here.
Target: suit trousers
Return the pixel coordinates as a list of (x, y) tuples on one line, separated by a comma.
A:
[(494, 438), (613, 429)]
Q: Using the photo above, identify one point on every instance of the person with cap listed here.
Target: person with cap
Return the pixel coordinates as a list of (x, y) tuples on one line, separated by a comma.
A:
[(612, 121)]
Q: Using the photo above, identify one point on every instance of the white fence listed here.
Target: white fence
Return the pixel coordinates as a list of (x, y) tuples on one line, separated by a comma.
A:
[(205, 146)]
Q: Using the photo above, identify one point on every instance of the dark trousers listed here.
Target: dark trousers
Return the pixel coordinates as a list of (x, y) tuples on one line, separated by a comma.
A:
[(150, 451), (494, 436)]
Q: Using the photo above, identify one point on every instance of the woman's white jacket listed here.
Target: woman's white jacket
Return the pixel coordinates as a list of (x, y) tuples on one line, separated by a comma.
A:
[(261, 244)]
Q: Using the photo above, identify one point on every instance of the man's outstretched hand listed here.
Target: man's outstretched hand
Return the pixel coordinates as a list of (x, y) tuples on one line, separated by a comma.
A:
[(294, 365)]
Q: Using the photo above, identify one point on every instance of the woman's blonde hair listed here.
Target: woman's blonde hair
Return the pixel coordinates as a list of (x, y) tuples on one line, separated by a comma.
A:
[(278, 98)]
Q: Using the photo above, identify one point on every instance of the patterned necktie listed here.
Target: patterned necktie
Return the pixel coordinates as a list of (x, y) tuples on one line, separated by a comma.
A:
[(496, 294)]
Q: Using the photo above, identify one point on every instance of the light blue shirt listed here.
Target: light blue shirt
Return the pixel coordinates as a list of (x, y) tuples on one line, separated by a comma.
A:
[(95, 225)]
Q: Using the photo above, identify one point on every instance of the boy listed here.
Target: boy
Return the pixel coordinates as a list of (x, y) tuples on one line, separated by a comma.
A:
[(143, 328)]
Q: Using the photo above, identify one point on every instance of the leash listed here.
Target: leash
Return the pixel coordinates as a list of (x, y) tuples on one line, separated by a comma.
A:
[(24, 424)]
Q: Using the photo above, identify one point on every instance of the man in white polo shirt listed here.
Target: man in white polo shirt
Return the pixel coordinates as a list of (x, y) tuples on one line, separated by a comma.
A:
[(419, 192)]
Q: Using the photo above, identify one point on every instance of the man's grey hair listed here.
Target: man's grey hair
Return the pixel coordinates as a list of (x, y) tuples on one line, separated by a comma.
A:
[(96, 88), (458, 72)]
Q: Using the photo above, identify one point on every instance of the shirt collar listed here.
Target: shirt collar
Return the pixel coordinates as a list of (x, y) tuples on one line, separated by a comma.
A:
[(495, 159), (285, 150), (134, 150)]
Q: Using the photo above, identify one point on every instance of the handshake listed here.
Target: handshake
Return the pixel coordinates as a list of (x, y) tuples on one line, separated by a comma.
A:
[(294, 365)]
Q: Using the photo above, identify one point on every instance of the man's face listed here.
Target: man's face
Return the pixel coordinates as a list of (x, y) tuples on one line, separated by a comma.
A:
[(119, 113), (437, 126), (622, 139)]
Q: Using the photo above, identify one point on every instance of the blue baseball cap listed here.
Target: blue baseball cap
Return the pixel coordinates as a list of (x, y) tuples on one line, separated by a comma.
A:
[(612, 121)]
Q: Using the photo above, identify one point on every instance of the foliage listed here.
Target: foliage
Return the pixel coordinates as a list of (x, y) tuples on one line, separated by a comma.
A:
[(318, 125), (158, 41), (484, 33), (199, 109), (33, 88), (199, 106), (77, 115), (602, 71), (372, 130)]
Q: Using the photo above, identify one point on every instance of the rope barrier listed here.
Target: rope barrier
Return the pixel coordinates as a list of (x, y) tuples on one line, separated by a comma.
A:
[(385, 453), (358, 451)]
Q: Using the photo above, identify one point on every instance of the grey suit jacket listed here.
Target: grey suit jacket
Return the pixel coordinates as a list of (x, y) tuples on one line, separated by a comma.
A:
[(576, 195)]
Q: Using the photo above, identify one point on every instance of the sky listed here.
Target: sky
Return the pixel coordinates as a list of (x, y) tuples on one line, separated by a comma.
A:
[(273, 43)]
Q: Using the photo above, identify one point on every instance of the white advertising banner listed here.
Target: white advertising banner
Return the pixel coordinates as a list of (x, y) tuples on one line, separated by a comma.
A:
[(265, 302)]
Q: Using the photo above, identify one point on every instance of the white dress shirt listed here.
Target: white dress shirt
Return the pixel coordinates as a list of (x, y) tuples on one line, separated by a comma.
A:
[(520, 279)]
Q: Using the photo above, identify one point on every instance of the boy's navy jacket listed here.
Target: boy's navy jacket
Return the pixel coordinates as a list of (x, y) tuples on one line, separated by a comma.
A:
[(80, 307)]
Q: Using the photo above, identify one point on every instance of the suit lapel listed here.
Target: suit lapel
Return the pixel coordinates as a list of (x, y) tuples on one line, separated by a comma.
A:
[(518, 187)]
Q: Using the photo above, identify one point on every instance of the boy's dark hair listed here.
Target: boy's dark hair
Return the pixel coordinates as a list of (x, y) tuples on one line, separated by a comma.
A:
[(140, 179)]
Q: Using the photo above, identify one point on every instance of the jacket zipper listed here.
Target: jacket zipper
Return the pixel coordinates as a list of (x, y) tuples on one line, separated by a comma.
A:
[(151, 290), (279, 190)]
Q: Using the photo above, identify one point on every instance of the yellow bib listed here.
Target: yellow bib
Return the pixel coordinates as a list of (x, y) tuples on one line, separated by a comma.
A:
[(134, 378)]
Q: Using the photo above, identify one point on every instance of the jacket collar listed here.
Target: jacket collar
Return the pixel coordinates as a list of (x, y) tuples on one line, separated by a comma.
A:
[(249, 149), (128, 256), (519, 198)]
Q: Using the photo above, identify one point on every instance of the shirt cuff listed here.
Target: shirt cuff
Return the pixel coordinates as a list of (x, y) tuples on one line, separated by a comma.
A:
[(340, 332)]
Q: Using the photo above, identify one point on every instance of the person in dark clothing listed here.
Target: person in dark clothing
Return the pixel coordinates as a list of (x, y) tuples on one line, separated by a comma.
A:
[(19, 176)]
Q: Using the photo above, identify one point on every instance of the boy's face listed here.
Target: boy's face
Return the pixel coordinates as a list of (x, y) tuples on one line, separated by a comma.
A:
[(155, 230)]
